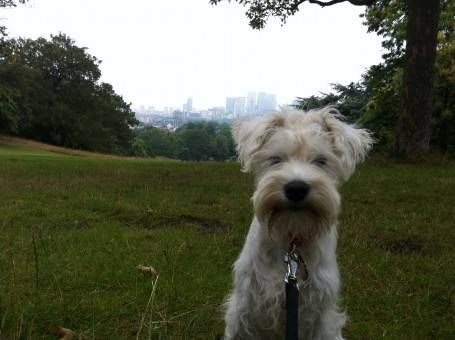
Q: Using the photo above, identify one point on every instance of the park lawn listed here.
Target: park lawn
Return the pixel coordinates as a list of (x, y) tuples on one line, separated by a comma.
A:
[(73, 229)]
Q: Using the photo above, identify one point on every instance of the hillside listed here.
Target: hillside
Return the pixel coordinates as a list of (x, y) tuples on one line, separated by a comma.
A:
[(12, 145), (74, 229)]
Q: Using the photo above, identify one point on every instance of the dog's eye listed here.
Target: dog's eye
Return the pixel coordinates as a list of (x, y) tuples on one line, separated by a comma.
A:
[(320, 161), (275, 160)]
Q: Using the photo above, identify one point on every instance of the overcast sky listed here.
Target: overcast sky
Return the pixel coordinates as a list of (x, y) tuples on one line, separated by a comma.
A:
[(160, 52)]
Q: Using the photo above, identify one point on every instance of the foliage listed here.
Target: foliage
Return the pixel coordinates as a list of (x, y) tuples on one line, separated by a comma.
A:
[(351, 100), (4, 4), (54, 87), (8, 110), (384, 103), (444, 119), (151, 142), (193, 142), (11, 3), (375, 101), (387, 18), (204, 141), (259, 11), (372, 103)]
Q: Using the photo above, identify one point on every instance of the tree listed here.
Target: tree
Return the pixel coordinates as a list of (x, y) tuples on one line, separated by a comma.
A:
[(11, 3), (350, 100), (414, 125), (387, 18), (259, 11), (195, 141), (413, 129), (194, 144), (8, 3), (8, 110), (444, 118), (152, 142), (419, 29), (57, 98)]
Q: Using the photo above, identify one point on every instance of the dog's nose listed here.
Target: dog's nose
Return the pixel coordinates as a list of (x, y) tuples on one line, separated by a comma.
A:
[(296, 191)]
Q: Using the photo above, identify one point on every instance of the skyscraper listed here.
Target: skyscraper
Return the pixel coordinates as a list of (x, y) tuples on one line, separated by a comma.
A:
[(251, 107), (266, 102), (236, 106), (188, 106)]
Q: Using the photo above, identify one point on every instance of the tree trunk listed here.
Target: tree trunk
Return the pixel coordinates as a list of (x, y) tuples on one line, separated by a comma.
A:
[(414, 124)]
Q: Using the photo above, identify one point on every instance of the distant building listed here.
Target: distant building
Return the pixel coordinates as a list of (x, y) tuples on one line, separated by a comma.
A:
[(266, 102), (236, 106), (251, 103), (194, 115), (217, 113), (255, 103), (144, 118), (188, 106), (178, 118), (169, 110), (178, 114), (230, 104)]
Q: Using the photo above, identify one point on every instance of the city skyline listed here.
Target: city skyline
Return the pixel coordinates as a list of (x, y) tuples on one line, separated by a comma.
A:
[(171, 118), (251, 103)]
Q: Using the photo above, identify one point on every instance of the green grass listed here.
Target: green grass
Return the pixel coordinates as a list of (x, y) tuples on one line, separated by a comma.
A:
[(73, 229)]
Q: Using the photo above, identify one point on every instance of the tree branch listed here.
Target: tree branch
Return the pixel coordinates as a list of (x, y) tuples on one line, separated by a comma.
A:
[(362, 2), (334, 2), (324, 4)]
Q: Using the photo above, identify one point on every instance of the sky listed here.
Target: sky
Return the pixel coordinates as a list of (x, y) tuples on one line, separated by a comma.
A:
[(161, 52)]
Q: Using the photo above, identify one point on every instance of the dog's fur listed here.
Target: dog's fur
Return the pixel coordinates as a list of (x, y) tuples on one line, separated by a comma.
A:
[(320, 149)]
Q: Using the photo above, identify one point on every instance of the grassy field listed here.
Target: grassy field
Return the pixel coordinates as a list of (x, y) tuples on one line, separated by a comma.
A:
[(73, 229)]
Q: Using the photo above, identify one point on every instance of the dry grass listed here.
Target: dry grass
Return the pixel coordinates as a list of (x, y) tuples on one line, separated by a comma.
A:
[(16, 141)]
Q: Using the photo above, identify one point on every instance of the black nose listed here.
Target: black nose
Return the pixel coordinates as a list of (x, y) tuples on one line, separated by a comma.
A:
[(296, 191)]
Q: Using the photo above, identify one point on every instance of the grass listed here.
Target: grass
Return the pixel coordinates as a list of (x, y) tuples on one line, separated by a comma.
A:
[(74, 228), (32, 148)]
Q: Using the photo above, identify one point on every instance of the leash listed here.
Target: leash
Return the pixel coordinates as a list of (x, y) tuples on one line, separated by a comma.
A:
[(293, 260)]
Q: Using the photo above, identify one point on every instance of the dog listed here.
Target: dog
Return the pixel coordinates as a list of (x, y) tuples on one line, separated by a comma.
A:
[(299, 160)]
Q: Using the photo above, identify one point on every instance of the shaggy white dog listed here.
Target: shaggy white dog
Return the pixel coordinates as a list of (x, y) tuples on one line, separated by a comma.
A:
[(299, 160)]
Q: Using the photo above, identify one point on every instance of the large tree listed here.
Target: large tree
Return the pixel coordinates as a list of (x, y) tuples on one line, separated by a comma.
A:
[(422, 16), (53, 94), (414, 124)]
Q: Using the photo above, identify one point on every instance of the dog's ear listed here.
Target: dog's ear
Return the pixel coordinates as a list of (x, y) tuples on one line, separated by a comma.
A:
[(350, 143), (250, 135)]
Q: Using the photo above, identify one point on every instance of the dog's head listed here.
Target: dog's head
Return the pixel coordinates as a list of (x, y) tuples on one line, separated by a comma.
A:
[(299, 159)]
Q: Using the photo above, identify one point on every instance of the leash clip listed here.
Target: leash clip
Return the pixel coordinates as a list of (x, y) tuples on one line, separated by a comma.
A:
[(292, 259)]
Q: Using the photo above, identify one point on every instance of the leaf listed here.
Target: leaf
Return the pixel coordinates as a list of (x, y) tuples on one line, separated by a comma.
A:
[(149, 270), (66, 333)]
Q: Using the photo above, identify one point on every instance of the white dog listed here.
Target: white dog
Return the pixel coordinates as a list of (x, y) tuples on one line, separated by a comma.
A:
[(299, 160)]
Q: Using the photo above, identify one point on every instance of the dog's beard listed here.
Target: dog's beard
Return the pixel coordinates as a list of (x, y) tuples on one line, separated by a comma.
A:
[(300, 222), (300, 226)]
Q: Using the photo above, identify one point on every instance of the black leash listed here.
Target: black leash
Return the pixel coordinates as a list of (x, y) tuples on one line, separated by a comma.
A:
[(292, 310), (293, 261)]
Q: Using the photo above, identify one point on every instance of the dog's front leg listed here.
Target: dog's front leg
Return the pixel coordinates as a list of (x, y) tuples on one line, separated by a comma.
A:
[(329, 324), (234, 324)]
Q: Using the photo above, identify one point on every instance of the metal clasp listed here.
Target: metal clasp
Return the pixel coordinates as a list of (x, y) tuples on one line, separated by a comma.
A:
[(292, 259)]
